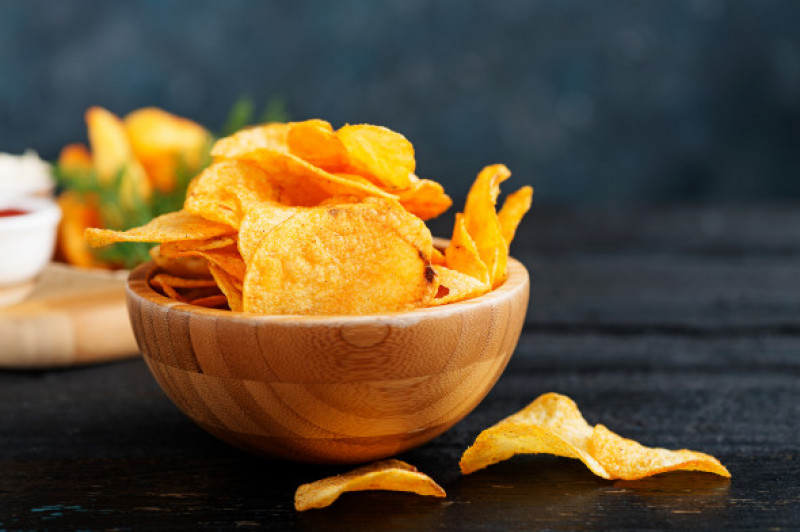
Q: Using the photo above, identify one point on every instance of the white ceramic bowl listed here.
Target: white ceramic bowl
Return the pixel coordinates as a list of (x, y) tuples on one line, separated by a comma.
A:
[(27, 240)]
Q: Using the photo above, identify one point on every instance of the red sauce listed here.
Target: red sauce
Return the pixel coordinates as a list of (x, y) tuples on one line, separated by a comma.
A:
[(11, 212)]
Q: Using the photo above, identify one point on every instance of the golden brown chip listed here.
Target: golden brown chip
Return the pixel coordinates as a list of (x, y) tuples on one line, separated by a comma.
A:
[(462, 255), (180, 266), (259, 221), (161, 279), (226, 190), (174, 249), (514, 208), (336, 260), (425, 198), (169, 227), (391, 475), (437, 258), (77, 214), (629, 460), (303, 184), (482, 223), (271, 136), (112, 154), (231, 287), (163, 142), (453, 286), (227, 259), (218, 300), (315, 142), (379, 154), (553, 424)]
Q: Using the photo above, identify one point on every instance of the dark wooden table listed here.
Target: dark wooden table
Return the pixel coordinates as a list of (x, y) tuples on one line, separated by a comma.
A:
[(678, 327)]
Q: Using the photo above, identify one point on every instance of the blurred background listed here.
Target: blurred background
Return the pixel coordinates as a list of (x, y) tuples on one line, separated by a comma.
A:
[(611, 103)]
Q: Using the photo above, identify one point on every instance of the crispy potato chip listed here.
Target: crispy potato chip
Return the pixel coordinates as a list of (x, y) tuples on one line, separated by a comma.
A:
[(218, 300), (315, 142), (482, 223), (259, 221), (163, 142), (425, 198), (227, 259), (226, 190), (76, 216), (629, 460), (303, 184), (336, 260), (553, 424), (390, 475), (169, 227), (462, 255), (231, 287), (379, 154), (180, 266), (453, 286), (162, 279), (75, 157), (514, 208), (272, 136), (112, 153), (437, 258), (174, 249)]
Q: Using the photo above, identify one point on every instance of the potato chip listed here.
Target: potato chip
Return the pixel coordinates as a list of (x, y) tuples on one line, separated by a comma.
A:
[(629, 460), (227, 259), (272, 136), (77, 214), (218, 300), (437, 257), (514, 208), (180, 266), (482, 224), (231, 287), (260, 220), (225, 191), (112, 154), (303, 184), (462, 255), (389, 475), (553, 424), (174, 249), (315, 142), (163, 142), (453, 286), (379, 154), (169, 227), (162, 279), (75, 157), (425, 198), (336, 260)]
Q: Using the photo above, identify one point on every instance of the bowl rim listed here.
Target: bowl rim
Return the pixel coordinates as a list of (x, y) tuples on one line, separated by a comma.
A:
[(39, 213), (138, 288)]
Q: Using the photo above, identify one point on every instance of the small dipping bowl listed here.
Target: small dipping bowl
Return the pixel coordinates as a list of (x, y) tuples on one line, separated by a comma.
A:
[(328, 389), (27, 238)]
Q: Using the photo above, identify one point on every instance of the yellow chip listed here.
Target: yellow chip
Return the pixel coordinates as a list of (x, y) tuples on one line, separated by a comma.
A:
[(390, 475), (514, 208), (302, 183), (169, 227), (482, 223), (112, 153), (180, 266), (462, 255), (315, 142), (226, 190), (271, 136), (380, 154), (437, 258), (553, 424), (453, 286), (425, 198), (260, 220), (227, 259), (163, 142), (336, 260), (231, 287)]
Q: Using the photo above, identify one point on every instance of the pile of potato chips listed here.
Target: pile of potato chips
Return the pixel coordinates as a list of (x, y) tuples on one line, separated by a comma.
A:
[(299, 218), (134, 164)]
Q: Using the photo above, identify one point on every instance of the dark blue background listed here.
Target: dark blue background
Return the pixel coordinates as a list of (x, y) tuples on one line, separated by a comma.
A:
[(589, 101)]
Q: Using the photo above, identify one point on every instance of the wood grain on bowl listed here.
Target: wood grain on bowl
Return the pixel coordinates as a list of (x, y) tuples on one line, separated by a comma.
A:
[(328, 389)]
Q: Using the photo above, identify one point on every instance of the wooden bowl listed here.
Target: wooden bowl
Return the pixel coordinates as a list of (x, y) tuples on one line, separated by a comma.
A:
[(328, 389)]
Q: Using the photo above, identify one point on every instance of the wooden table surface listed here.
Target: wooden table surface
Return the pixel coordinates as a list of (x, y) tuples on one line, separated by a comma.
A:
[(678, 327)]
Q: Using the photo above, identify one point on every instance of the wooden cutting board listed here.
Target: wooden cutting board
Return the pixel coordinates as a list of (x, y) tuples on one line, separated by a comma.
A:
[(68, 316)]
